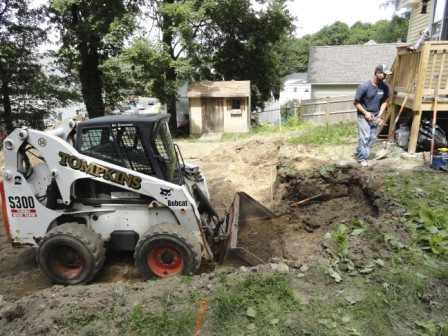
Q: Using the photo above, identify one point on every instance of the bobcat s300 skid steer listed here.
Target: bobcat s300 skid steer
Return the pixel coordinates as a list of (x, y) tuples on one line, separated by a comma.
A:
[(114, 182)]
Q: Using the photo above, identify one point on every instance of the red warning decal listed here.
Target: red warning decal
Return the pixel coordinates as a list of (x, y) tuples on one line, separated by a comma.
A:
[(22, 206), (23, 213)]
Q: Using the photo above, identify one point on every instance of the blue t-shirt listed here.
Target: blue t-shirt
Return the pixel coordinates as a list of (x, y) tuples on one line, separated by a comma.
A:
[(371, 97)]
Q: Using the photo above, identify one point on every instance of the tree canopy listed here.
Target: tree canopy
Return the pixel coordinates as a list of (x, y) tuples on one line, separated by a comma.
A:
[(28, 92), (116, 48), (339, 33), (90, 32)]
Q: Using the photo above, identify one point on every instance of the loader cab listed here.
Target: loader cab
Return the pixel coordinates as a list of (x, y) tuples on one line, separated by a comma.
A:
[(141, 143)]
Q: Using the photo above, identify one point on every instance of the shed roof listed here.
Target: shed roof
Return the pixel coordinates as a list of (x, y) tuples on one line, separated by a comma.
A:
[(348, 64), (221, 89)]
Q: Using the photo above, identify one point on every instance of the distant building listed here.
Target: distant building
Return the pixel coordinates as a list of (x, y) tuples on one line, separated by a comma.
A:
[(219, 107), (336, 71), (430, 15), (295, 87)]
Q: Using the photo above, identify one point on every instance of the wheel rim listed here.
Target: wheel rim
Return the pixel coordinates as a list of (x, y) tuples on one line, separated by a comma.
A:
[(165, 260), (66, 263)]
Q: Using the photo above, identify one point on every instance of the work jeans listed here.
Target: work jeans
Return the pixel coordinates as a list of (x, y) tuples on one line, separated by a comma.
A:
[(367, 134)]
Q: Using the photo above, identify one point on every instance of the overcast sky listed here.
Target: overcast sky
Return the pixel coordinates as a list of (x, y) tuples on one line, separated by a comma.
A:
[(312, 15)]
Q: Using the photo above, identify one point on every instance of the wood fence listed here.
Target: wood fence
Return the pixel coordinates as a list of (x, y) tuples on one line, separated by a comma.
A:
[(328, 110)]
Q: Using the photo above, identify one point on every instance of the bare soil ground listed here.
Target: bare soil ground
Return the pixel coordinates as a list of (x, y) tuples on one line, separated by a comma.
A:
[(269, 169)]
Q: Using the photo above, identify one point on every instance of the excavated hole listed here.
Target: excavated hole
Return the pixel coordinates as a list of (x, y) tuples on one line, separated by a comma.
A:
[(344, 196)]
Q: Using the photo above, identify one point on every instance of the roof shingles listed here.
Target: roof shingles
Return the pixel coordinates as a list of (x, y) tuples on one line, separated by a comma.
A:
[(348, 64), (220, 89)]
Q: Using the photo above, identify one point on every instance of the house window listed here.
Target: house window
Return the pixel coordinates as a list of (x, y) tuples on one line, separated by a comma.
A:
[(295, 89), (236, 104), (424, 7)]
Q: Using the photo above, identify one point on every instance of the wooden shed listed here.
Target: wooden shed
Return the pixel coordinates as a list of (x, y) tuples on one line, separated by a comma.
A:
[(219, 107)]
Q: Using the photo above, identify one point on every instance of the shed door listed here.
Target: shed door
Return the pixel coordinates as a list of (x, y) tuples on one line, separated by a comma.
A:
[(213, 114)]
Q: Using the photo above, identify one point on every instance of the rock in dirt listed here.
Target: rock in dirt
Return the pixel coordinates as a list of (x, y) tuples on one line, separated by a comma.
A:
[(251, 312), (335, 275), (280, 268), (251, 326), (12, 312)]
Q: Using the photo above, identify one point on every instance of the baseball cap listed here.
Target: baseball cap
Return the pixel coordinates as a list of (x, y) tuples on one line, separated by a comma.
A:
[(383, 69)]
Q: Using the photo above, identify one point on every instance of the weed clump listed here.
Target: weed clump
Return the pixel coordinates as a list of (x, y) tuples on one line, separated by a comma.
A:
[(423, 196), (258, 303), (336, 134)]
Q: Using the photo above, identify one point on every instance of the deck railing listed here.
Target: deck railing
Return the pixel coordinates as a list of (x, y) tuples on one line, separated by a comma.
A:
[(418, 76)]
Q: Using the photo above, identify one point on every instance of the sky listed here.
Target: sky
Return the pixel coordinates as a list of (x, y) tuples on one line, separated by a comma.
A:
[(312, 15)]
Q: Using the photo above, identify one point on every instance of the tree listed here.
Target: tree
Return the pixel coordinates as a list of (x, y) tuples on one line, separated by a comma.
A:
[(336, 34), (241, 43), (180, 22), (360, 33), (26, 91), (92, 31), (203, 40), (137, 70), (391, 31)]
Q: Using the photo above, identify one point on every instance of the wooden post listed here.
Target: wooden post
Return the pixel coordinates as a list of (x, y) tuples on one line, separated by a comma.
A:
[(436, 106), (392, 125), (417, 108)]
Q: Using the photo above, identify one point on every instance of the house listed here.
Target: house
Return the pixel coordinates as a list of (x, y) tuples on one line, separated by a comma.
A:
[(222, 106), (431, 15), (336, 71), (295, 87)]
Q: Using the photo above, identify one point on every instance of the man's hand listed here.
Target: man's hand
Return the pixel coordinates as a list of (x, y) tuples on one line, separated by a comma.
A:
[(380, 122), (369, 116)]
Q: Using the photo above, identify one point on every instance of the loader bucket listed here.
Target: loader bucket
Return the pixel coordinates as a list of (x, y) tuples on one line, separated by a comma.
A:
[(244, 212)]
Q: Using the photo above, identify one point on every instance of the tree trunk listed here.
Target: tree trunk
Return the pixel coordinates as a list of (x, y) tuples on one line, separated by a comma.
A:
[(170, 76), (170, 72), (7, 113), (91, 81)]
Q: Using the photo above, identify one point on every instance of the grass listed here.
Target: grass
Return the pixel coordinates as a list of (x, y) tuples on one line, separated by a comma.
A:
[(336, 134), (168, 322), (340, 237), (258, 305), (292, 125), (301, 132)]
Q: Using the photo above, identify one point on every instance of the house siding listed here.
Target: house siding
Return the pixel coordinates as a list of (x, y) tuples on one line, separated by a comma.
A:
[(236, 121), (195, 116), (323, 91), (419, 22)]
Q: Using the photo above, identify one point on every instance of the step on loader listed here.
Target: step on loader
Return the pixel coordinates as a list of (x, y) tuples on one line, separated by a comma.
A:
[(114, 182)]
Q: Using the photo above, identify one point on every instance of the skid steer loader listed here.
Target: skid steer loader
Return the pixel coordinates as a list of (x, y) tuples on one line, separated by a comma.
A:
[(114, 182)]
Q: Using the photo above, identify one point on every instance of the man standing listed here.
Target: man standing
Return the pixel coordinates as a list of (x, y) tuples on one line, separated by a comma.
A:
[(371, 102)]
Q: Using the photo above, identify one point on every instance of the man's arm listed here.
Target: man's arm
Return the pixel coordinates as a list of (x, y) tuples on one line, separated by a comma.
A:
[(385, 102), (360, 92), (383, 108), (361, 109)]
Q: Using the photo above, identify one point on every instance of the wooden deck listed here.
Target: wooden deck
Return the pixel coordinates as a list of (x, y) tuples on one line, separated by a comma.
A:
[(420, 76)]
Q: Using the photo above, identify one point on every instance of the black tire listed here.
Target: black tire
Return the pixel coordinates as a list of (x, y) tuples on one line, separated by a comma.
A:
[(71, 254), (167, 250)]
